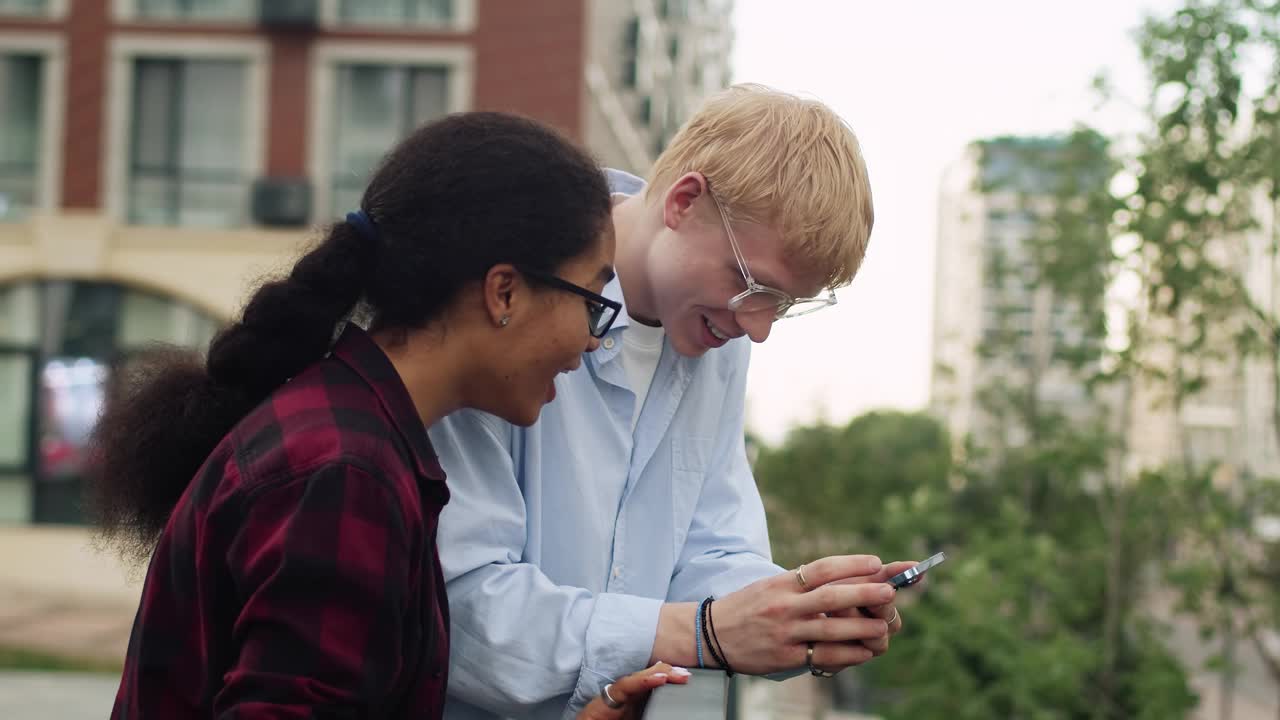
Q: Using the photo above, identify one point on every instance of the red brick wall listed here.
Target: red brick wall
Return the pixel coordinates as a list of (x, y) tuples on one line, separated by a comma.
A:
[(529, 59), (288, 99), (87, 27)]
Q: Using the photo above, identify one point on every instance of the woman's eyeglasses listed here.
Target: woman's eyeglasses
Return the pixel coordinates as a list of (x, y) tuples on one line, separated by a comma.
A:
[(601, 311)]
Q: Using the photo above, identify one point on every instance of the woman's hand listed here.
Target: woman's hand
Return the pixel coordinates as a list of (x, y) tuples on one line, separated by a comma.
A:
[(630, 693)]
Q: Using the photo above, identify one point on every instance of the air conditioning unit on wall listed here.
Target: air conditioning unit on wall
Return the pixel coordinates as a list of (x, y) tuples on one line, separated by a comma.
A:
[(282, 202), (289, 14)]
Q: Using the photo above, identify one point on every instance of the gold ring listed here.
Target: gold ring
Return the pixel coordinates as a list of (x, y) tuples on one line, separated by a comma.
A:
[(800, 577), (895, 617), (814, 671)]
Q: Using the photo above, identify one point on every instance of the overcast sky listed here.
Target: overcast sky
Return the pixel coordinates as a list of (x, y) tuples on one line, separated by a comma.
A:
[(917, 82)]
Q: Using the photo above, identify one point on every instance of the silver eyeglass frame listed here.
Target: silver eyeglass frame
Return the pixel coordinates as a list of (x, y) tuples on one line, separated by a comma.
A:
[(783, 301)]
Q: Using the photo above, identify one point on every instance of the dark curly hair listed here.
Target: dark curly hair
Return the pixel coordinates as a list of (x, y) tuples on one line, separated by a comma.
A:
[(452, 200)]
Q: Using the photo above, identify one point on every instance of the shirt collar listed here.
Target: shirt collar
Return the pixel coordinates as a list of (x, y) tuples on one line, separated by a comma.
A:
[(611, 346), (359, 352), (613, 291)]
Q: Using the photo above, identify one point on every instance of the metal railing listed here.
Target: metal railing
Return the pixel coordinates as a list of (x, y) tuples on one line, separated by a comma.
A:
[(705, 697)]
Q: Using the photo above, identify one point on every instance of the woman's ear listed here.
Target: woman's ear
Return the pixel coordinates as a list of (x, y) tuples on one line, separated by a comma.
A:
[(502, 290), (678, 203)]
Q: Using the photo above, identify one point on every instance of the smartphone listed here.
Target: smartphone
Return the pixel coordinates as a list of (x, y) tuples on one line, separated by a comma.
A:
[(910, 577)]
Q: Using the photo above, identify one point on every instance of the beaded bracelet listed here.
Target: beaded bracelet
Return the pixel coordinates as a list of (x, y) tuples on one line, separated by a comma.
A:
[(704, 611), (698, 630)]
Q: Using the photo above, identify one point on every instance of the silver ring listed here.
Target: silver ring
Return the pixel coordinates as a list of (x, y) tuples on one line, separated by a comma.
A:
[(800, 577), (895, 617), (815, 671), (608, 699)]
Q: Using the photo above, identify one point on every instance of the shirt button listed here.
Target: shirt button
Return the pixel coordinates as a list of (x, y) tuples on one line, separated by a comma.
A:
[(617, 571), (608, 343)]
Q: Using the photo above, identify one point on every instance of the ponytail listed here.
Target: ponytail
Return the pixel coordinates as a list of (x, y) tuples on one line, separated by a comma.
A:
[(167, 410)]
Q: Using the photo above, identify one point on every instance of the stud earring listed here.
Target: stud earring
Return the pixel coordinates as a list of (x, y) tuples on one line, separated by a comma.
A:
[(504, 321)]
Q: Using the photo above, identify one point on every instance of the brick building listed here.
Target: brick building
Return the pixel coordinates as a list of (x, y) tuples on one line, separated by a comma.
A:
[(157, 156)]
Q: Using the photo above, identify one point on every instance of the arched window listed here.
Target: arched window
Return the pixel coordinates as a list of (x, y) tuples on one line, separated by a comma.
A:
[(58, 341)]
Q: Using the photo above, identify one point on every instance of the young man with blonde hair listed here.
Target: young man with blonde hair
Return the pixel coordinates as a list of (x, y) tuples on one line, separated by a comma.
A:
[(588, 545)]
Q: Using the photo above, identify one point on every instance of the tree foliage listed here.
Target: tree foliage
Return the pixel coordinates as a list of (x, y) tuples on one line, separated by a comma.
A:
[(1058, 541)]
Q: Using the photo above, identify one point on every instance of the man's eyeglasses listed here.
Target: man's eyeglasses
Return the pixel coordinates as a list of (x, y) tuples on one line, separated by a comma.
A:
[(759, 297), (601, 311)]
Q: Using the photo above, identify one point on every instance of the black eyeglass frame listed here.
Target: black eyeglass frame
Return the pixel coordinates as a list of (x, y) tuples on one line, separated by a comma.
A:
[(596, 304)]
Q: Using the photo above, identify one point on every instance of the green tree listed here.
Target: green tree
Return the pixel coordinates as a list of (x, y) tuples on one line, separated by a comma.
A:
[(1011, 625), (1058, 465), (1208, 175), (1036, 614), (890, 466)]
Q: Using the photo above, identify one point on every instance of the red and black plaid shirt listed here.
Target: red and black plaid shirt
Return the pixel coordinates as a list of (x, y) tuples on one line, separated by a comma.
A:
[(298, 576)]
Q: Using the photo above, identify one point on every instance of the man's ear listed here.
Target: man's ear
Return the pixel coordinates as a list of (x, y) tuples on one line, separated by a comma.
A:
[(678, 203)]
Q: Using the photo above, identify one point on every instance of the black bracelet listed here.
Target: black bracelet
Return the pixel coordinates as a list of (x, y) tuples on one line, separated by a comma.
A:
[(706, 632), (718, 651), (728, 669)]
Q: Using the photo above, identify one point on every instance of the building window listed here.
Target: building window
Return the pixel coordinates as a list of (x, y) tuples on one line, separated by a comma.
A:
[(24, 7), (187, 146), (195, 9), (59, 340), (631, 54), (20, 123), (367, 97), (376, 106), (397, 12), (1208, 445), (659, 143), (673, 9), (671, 116)]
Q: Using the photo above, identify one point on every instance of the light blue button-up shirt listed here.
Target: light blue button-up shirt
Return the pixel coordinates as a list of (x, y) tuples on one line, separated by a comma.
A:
[(562, 541)]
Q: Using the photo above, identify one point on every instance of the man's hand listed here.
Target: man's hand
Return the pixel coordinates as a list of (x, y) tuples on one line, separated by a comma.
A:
[(887, 612), (767, 626)]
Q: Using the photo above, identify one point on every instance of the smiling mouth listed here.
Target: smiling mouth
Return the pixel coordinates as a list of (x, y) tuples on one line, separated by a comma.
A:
[(715, 331)]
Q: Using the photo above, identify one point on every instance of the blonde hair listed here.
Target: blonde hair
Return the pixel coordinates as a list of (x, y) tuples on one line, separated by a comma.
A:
[(781, 161)]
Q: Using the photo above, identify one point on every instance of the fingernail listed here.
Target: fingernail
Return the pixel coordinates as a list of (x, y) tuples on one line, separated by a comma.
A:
[(680, 672), (876, 564), (658, 675)]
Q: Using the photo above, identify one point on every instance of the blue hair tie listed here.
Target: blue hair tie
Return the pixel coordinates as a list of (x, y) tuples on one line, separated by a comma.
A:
[(363, 225)]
